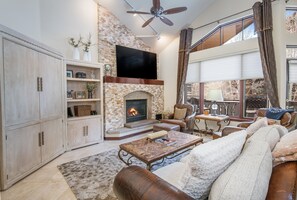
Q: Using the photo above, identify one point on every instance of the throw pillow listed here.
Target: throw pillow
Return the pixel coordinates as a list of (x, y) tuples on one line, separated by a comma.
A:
[(180, 113), (286, 149), (267, 134), (256, 126), (248, 177), (208, 161)]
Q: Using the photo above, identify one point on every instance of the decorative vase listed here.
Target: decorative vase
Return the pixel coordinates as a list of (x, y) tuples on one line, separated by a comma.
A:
[(87, 56), (90, 95), (76, 55)]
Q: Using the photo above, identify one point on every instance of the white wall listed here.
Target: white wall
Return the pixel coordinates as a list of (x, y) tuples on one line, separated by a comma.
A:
[(168, 73), (22, 16), (61, 19), (52, 22)]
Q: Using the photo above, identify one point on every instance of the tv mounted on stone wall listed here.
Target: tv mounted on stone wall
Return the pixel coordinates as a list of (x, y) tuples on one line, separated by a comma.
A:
[(134, 63)]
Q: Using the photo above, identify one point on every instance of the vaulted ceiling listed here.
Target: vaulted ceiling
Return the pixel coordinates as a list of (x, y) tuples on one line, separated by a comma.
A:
[(167, 33)]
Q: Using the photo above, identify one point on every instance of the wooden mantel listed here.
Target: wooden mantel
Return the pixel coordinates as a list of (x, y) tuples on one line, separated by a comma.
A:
[(111, 79)]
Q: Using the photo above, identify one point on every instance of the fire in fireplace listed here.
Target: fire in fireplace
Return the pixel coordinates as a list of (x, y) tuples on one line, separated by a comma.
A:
[(136, 110)]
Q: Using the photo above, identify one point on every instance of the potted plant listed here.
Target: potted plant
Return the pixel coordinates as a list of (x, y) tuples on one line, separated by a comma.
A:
[(75, 44), (91, 87), (86, 48)]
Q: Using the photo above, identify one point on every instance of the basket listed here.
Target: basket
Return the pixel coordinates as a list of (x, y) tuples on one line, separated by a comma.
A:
[(83, 110)]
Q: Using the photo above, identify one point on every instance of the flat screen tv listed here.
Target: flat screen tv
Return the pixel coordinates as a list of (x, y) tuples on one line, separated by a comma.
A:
[(134, 63)]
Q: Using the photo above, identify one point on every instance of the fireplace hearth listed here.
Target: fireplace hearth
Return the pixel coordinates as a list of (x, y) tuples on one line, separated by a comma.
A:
[(136, 110)]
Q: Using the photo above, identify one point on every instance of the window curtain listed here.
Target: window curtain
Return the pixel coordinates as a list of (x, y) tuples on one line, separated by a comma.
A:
[(183, 59), (263, 23)]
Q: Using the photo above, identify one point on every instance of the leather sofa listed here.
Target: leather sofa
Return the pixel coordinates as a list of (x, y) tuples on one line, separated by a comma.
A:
[(288, 120), (135, 183)]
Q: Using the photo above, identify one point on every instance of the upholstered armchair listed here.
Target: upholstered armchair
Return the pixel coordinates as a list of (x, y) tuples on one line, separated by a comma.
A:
[(288, 120), (184, 116)]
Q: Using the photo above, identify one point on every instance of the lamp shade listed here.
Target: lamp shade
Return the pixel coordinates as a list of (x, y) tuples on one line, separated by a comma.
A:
[(215, 95)]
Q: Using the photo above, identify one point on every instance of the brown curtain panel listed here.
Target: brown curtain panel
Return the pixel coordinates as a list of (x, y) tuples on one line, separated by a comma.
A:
[(263, 23), (183, 59)]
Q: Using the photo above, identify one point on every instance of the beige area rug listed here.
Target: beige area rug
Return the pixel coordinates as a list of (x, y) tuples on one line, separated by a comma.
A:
[(91, 178)]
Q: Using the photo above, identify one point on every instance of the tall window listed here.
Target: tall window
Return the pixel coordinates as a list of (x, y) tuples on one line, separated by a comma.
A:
[(291, 20), (237, 81), (291, 54), (238, 30)]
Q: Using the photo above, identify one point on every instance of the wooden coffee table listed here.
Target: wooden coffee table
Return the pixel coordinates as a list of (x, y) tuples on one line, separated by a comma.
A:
[(151, 151)]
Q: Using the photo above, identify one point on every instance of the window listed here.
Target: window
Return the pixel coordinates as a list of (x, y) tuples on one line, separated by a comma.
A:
[(237, 81), (291, 100), (255, 96), (242, 29), (229, 98), (291, 20)]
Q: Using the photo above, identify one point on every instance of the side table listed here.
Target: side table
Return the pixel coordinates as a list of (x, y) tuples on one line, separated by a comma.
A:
[(218, 118)]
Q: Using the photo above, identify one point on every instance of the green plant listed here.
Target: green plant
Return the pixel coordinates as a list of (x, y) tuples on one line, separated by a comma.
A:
[(73, 43), (87, 44), (91, 87)]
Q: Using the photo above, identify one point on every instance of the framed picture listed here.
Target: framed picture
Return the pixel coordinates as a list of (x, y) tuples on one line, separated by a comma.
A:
[(69, 73), (80, 95)]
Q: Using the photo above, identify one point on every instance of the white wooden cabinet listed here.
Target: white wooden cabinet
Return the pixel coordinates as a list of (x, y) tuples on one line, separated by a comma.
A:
[(20, 83), (23, 151), (84, 130), (32, 106)]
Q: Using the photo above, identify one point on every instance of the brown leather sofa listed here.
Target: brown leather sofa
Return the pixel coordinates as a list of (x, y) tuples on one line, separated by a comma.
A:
[(136, 183), (288, 120)]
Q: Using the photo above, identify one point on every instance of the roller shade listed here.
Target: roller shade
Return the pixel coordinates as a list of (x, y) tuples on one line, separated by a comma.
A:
[(293, 71), (251, 66), (228, 68), (193, 73)]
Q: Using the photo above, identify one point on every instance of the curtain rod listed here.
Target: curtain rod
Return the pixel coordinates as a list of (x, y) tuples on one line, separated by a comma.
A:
[(228, 17)]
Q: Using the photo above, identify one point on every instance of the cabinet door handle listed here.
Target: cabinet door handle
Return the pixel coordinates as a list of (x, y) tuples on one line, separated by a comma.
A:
[(87, 127), (41, 84), (84, 131), (42, 138), (39, 139), (38, 83)]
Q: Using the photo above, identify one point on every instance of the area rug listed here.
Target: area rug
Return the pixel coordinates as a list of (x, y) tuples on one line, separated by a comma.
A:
[(91, 178)]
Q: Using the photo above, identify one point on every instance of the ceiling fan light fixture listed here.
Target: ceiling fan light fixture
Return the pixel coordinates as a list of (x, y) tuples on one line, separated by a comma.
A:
[(158, 12)]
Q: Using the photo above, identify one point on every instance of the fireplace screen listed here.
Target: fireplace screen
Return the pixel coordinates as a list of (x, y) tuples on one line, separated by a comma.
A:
[(136, 110)]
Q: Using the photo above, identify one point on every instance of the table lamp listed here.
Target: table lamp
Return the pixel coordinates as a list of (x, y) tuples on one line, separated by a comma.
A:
[(215, 95)]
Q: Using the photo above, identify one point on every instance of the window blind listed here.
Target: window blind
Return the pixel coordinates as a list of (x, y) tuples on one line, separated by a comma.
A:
[(193, 73), (227, 68), (251, 66), (293, 71)]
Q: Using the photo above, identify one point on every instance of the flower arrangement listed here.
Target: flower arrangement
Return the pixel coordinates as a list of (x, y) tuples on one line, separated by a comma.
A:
[(91, 87), (74, 43), (87, 44)]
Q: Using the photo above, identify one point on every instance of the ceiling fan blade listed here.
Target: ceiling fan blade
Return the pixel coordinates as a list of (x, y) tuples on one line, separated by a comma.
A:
[(147, 22), (166, 21), (174, 10), (138, 12), (156, 4)]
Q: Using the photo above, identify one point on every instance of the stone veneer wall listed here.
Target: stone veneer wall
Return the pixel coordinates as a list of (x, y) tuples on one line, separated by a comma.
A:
[(115, 94), (112, 33)]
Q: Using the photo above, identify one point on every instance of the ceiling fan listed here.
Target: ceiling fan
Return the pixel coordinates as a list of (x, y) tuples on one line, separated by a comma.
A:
[(158, 12)]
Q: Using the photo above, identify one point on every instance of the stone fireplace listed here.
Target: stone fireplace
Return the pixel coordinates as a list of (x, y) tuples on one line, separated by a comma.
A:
[(136, 109), (117, 91)]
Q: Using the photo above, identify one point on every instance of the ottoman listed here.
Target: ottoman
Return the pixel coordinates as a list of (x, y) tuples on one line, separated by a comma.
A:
[(165, 127)]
